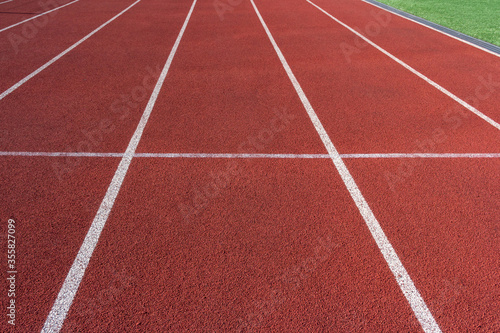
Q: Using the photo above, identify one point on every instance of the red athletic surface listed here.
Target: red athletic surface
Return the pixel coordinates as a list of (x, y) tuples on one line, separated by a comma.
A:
[(252, 258), (52, 219), (279, 244), (17, 11), (450, 63)]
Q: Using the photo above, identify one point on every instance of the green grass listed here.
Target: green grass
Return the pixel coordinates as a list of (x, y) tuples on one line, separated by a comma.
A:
[(476, 18)]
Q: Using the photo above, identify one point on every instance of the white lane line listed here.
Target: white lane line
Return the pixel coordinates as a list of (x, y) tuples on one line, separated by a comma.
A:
[(34, 17), (229, 155), (60, 55), (202, 155), (58, 154), (432, 28), (421, 155), (72, 282), (414, 71), (5, 2), (309, 156), (243, 156), (404, 280)]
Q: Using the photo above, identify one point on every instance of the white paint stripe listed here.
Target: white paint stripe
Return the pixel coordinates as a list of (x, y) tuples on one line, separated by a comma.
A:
[(243, 156), (34, 17), (72, 282), (58, 154), (60, 55), (421, 155), (414, 71), (309, 156), (404, 280), (432, 28), (5, 2), (264, 156)]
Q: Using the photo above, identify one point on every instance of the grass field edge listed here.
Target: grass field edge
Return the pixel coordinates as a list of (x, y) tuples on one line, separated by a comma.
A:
[(481, 44)]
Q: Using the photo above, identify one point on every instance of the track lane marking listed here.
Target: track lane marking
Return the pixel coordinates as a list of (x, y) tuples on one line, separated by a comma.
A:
[(402, 277), (60, 55), (414, 71), (432, 28), (249, 156), (58, 154), (315, 156), (72, 282), (34, 17), (5, 2), (422, 155)]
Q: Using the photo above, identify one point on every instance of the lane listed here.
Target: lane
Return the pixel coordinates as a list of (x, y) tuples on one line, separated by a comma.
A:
[(37, 16), (27, 47), (16, 11), (71, 284), (414, 71), (51, 219), (63, 53), (94, 96), (442, 217), (248, 258), (402, 277), (466, 71), (373, 105), (220, 100)]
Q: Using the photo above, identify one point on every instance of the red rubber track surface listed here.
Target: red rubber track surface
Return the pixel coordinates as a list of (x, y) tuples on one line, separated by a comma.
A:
[(52, 219), (252, 259), (454, 65), (213, 244), (28, 46), (92, 98), (20, 10), (226, 77), (446, 232), (373, 105)]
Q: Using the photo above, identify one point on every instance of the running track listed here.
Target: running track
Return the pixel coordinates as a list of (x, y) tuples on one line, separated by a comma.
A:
[(246, 166)]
